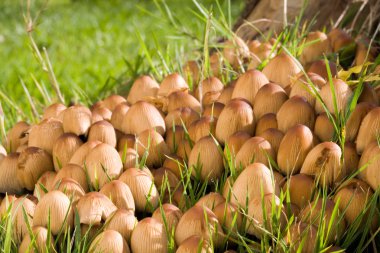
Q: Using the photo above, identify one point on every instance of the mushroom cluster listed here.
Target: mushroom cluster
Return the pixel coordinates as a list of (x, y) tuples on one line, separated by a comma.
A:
[(171, 167)]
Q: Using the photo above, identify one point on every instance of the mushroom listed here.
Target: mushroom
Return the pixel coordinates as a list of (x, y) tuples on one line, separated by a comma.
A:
[(257, 150), (54, 111), (122, 221), (153, 143), (45, 134), (205, 160), (120, 194), (55, 206), (118, 115), (248, 84), (41, 238), (169, 215), (75, 172), (9, 182), (102, 131), (144, 86), (16, 136), (64, 148), (44, 184), (77, 120), (152, 233), (142, 187), (109, 241), (31, 164), (171, 83), (94, 207)]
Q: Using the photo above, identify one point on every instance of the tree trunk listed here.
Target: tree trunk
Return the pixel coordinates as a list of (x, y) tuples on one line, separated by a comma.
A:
[(262, 16)]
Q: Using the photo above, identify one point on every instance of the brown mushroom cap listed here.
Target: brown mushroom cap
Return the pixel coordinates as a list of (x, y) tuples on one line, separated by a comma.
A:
[(248, 84), (142, 187), (236, 116), (103, 163), (109, 241), (55, 206), (294, 147), (256, 149), (169, 215), (269, 99), (41, 236), (75, 172), (144, 86), (180, 116), (45, 134), (142, 116), (151, 141), (79, 157), (152, 233), (104, 132), (211, 200), (205, 160), (64, 148), (16, 136), (9, 182), (77, 120), (45, 182), (171, 83), (302, 236), (118, 115), (122, 221), (195, 243), (300, 189), (202, 222), (71, 188), (94, 207), (32, 163), (120, 194), (254, 180)]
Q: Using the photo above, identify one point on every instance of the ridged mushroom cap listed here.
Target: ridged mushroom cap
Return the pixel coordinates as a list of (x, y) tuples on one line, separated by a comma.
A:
[(77, 120), (168, 214), (9, 182), (269, 99), (281, 69), (248, 84), (64, 148), (122, 221), (31, 164), (171, 83), (103, 164), (120, 194), (205, 160), (56, 206), (142, 116), (152, 233), (144, 86), (109, 241), (94, 207), (102, 131), (142, 187), (369, 130), (199, 221), (236, 116), (253, 181), (41, 235), (45, 134), (254, 150), (295, 111), (294, 147)]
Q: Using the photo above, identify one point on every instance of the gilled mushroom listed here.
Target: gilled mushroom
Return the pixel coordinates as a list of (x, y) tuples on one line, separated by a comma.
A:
[(120, 194)]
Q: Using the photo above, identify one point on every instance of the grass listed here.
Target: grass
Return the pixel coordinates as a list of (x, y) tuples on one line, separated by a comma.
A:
[(94, 46), (157, 57)]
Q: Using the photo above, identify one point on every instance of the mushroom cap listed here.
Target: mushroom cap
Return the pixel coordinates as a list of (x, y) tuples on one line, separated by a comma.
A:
[(269, 99), (32, 163), (46, 181), (369, 130), (142, 116), (257, 150), (79, 157), (102, 131), (211, 200), (253, 181), (94, 207), (75, 172), (71, 188), (324, 163), (16, 136), (54, 111), (295, 110), (45, 134), (236, 116), (195, 243), (103, 163), (171, 83), (152, 233), (281, 69), (202, 222), (169, 215), (248, 84), (180, 116), (41, 236), (144, 86), (151, 141), (205, 160), (109, 241), (120, 194), (118, 115), (300, 187), (77, 119), (370, 161), (142, 187), (122, 221), (294, 147), (56, 206), (64, 148), (9, 182)]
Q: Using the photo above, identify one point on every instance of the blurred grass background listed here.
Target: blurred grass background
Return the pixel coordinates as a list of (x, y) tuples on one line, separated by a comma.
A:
[(89, 42)]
